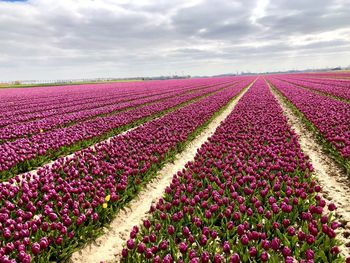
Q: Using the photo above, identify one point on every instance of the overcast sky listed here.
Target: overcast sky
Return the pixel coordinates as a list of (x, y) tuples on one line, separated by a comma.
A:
[(63, 39)]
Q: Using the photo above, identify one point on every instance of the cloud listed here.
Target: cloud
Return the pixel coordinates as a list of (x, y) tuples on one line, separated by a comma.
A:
[(47, 39)]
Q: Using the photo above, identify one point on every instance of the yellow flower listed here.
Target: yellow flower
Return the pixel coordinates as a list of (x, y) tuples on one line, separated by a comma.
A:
[(104, 205), (107, 198), (41, 130)]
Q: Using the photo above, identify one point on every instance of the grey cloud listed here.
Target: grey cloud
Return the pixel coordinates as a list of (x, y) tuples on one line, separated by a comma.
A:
[(305, 22), (215, 18), (305, 17), (63, 39)]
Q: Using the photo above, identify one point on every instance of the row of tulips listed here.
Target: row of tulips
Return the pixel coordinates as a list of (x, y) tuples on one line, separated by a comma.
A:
[(24, 153), (342, 82), (330, 117), (248, 196), (342, 78), (69, 116), (331, 87), (55, 108), (105, 98), (332, 82), (46, 216), (25, 100), (21, 98)]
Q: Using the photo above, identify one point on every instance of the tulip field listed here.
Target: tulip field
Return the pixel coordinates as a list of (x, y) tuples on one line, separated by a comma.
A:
[(72, 157), (331, 117), (28, 144)]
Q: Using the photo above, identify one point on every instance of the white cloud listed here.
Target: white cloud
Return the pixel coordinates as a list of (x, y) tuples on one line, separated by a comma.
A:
[(342, 34), (259, 11)]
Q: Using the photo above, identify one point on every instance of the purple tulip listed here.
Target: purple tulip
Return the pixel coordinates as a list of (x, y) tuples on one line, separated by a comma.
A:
[(203, 240), (171, 230), (183, 247), (253, 252), (124, 253), (275, 243), (44, 243), (153, 238), (291, 231), (141, 248), (186, 231), (226, 247), (335, 250), (148, 253), (163, 245), (266, 244), (130, 244), (286, 251), (35, 248), (167, 259), (205, 257), (217, 258), (264, 256), (235, 258), (332, 207), (244, 240), (309, 254), (147, 224)]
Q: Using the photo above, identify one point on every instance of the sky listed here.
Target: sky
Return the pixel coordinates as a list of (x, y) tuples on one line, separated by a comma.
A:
[(73, 39)]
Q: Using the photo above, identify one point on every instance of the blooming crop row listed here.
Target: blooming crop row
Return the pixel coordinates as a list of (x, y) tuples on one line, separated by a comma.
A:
[(23, 101), (40, 112), (247, 197), (333, 82), (24, 153), (328, 87), (21, 98), (333, 75), (65, 116), (46, 216), (331, 117), (322, 80), (57, 107)]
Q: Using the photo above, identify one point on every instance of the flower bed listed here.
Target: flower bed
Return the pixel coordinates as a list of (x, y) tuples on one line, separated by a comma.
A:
[(248, 196), (334, 87), (22, 125), (330, 117), (23, 154), (46, 216)]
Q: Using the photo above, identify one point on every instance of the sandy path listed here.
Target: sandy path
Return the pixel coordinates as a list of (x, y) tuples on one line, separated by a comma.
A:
[(108, 247), (335, 184)]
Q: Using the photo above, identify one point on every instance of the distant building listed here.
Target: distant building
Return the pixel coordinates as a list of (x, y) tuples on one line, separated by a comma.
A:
[(337, 68)]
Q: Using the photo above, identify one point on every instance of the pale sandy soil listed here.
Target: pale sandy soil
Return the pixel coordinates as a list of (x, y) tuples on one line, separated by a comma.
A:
[(334, 182), (108, 247)]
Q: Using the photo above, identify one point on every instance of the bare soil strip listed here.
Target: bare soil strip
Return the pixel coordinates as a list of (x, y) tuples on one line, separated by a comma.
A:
[(335, 184), (107, 248)]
